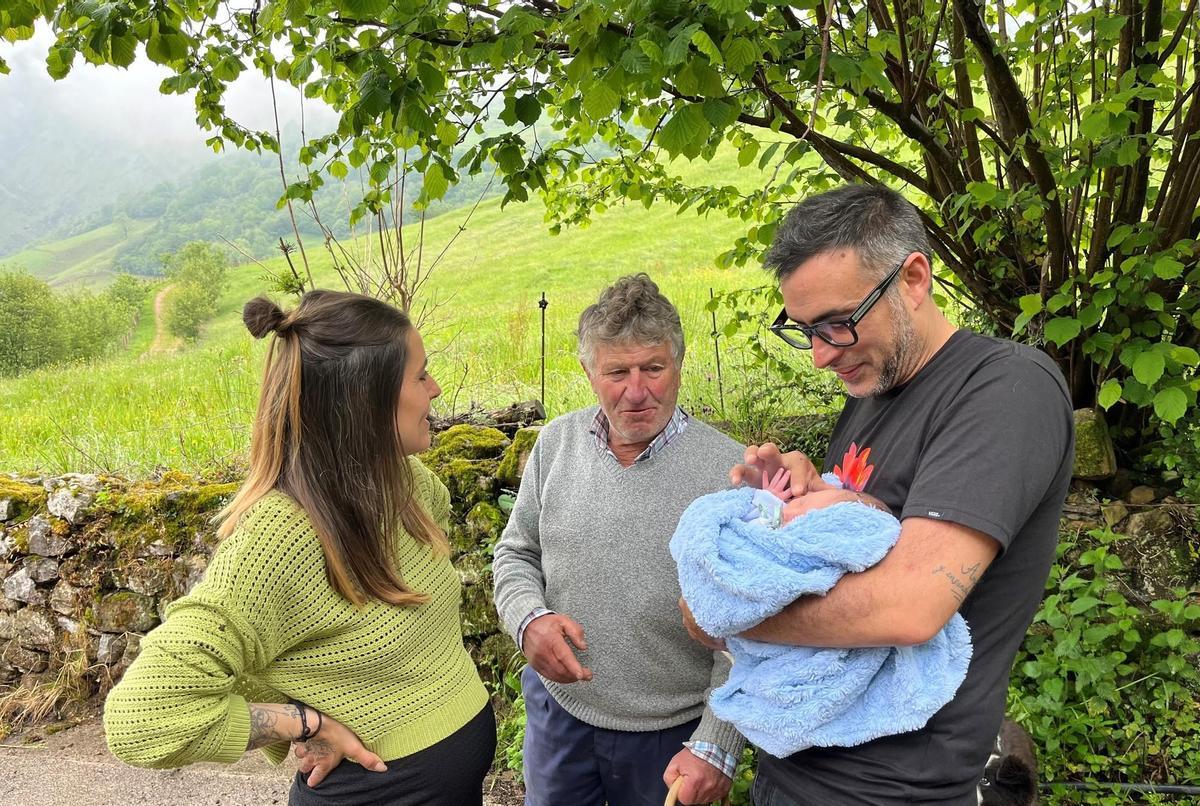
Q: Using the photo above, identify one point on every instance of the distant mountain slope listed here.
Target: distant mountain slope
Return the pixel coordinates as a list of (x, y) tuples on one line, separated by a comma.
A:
[(230, 200), (84, 260), (57, 168)]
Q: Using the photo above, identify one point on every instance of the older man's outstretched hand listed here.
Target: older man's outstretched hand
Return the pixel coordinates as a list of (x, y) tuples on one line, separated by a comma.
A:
[(766, 461), (548, 645)]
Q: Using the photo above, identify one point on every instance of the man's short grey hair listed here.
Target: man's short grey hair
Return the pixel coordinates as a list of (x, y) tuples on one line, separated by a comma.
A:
[(877, 222), (630, 311)]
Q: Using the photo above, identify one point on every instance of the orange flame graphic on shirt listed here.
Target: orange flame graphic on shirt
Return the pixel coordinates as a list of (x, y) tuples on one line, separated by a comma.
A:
[(854, 469)]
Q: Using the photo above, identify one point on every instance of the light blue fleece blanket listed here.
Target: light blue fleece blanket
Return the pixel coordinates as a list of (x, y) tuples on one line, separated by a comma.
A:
[(735, 573)]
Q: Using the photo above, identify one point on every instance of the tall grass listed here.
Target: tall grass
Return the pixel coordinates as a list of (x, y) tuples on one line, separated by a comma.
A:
[(192, 409)]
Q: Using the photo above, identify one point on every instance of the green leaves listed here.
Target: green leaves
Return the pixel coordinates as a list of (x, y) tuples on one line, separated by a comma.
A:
[(59, 61), (122, 50), (361, 9), (1167, 268), (1061, 330), (984, 192), (1031, 306), (1170, 404), (677, 49), (721, 113), (699, 78), (1148, 367), (436, 182), (1109, 393), (686, 132), (528, 108), (740, 54), (167, 48), (600, 100)]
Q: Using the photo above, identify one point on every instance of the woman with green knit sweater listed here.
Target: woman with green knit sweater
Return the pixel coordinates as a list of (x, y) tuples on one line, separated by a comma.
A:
[(328, 615)]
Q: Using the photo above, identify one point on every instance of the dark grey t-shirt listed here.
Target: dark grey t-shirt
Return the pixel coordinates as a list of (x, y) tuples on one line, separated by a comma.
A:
[(982, 436)]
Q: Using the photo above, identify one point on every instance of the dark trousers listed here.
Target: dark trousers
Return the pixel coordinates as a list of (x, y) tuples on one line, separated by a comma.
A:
[(765, 793), (450, 773), (572, 763)]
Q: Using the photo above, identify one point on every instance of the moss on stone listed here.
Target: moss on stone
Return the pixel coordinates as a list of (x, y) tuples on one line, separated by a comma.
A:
[(484, 524), (1095, 457), (125, 611), (27, 499), (469, 482), (478, 611), (465, 442), (513, 463), (171, 511), (474, 568), (495, 656), (460, 539)]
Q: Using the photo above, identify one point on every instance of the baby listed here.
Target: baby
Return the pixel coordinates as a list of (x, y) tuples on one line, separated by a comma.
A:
[(743, 555), (774, 505)]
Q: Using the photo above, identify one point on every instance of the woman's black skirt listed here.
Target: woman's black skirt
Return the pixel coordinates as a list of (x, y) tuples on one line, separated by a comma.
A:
[(450, 773)]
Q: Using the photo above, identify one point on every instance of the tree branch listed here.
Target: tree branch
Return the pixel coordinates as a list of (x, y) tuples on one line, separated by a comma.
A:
[(1010, 98), (801, 131)]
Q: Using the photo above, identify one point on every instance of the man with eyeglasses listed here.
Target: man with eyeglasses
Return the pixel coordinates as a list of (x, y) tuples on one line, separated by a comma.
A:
[(968, 438)]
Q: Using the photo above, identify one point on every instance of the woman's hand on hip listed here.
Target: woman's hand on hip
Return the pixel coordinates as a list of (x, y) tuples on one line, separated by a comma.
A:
[(333, 743)]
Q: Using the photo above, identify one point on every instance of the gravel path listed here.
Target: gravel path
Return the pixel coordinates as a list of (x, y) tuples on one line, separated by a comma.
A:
[(74, 767)]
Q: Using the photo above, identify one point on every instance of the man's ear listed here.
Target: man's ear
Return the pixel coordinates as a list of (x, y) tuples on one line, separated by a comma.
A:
[(916, 281)]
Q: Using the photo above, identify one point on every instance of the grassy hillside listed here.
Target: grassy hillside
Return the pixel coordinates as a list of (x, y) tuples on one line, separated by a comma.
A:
[(192, 408), (83, 260)]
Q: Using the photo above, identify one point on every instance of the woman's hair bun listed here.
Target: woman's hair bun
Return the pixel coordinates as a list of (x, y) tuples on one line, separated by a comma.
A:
[(262, 316)]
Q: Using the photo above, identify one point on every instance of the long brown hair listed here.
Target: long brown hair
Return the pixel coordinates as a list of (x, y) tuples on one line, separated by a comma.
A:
[(325, 433)]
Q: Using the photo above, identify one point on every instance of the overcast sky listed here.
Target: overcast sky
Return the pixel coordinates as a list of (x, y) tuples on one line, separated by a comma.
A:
[(125, 104)]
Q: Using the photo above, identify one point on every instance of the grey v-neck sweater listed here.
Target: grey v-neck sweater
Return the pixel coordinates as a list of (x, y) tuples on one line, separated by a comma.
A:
[(588, 538)]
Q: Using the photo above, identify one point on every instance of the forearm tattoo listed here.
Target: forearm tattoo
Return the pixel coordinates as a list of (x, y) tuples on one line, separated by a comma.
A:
[(265, 725), (961, 583)]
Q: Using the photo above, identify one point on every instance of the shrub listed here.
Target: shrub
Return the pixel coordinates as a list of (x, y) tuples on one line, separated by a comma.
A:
[(30, 324), (1108, 689), (198, 271)]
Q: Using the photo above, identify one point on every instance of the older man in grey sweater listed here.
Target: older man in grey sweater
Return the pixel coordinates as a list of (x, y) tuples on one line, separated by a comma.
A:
[(615, 690)]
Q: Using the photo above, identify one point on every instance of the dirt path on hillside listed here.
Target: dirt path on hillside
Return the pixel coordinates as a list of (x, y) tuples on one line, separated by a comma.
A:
[(74, 767), (162, 340)]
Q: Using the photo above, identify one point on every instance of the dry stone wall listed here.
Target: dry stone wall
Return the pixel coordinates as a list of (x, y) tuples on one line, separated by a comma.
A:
[(89, 563)]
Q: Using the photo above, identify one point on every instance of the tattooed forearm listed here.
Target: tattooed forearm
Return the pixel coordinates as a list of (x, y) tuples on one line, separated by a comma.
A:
[(270, 724), (961, 583)]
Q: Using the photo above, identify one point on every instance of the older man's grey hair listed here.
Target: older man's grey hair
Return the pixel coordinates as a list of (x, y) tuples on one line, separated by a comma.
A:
[(631, 311), (878, 223)]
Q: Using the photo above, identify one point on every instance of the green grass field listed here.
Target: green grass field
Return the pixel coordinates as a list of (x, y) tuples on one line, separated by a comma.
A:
[(85, 260), (191, 409)]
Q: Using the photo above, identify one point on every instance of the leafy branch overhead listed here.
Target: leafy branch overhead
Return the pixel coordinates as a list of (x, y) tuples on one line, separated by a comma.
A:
[(1050, 146)]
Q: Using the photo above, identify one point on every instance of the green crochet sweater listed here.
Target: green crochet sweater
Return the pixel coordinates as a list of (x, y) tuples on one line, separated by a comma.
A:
[(264, 625)]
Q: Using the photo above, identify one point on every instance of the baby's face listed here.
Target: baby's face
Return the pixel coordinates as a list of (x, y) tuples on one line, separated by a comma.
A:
[(815, 500)]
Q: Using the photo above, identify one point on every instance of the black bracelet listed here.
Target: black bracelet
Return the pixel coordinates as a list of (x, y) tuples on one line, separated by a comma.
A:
[(305, 733)]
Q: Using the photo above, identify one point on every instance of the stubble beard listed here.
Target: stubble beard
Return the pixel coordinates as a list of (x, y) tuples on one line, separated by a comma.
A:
[(897, 365)]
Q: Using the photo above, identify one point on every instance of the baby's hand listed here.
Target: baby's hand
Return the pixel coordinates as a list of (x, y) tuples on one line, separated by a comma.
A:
[(780, 486)]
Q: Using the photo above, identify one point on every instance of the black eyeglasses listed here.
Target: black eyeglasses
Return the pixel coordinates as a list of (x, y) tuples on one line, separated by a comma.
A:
[(835, 332)]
